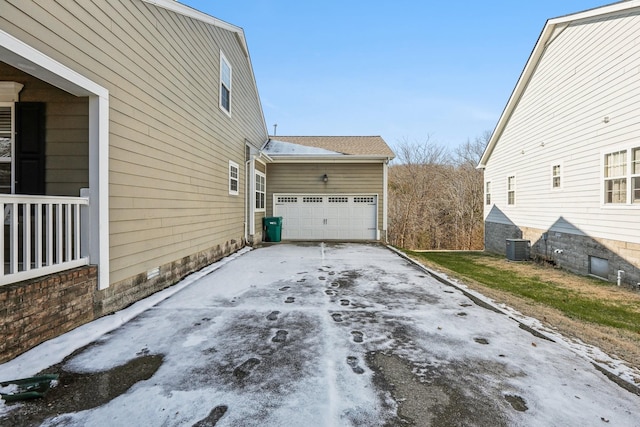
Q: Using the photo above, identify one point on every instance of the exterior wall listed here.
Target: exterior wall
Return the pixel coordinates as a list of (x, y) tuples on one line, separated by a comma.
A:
[(572, 250), (588, 72), (303, 178), (170, 143), (57, 304), (126, 292), (67, 132)]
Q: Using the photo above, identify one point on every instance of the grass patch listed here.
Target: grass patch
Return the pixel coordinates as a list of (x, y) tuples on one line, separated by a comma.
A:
[(571, 302)]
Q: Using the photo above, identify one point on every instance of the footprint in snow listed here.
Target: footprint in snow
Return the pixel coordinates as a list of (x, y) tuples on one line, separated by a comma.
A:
[(353, 362), (273, 315), (245, 368), (281, 336), (357, 336)]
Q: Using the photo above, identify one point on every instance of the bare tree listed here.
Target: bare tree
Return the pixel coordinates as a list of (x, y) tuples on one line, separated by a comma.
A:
[(435, 199)]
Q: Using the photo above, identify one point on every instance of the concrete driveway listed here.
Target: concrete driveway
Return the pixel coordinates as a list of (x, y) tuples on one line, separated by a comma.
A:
[(325, 335)]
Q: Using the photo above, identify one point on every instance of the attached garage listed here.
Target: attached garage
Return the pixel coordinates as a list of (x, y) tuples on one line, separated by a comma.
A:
[(328, 187), (327, 216)]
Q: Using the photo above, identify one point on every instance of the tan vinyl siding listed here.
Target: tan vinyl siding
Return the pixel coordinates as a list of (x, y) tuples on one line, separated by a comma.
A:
[(587, 73), (66, 132), (170, 143), (306, 178)]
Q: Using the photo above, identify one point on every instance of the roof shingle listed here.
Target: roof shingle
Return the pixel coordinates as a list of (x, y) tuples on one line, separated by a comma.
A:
[(350, 145)]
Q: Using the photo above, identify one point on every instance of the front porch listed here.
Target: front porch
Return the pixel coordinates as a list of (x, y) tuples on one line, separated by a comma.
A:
[(53, 168)]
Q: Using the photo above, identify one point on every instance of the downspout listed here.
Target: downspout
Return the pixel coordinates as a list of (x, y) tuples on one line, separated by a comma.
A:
[(247, 208), (385, 203), (252, 196)]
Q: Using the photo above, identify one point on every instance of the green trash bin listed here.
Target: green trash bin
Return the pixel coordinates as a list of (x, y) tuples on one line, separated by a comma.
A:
[(272, 226)]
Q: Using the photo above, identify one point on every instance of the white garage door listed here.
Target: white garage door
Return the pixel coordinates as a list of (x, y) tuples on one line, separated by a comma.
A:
[(331, 217)]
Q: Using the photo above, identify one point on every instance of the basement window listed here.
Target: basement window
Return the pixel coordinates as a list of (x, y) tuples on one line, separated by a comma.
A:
[(599, 267)]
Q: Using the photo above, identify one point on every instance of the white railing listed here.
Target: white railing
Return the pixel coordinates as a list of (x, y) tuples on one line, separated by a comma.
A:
[(41, 235)]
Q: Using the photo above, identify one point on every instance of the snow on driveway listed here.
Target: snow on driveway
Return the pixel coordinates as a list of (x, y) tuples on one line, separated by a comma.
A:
[(334, 335)]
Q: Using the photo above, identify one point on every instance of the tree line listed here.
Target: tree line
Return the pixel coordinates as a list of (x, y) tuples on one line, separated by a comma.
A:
[(436, 196)]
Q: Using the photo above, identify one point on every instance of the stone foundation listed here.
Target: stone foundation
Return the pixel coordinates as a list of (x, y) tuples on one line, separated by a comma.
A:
[(124, 293), (37, 310), (571, 251)]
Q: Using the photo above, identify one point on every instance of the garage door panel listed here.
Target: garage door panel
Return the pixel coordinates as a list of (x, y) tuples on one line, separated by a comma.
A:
[(334, 217)]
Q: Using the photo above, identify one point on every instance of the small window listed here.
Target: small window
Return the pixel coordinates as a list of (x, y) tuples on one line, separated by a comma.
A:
[(261, 181), (555, 176), (511, 190), (233, 178), (599, 267), (225, 84), (487, 193)]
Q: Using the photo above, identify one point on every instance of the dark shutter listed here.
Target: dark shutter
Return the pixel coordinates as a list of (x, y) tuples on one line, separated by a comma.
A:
[(30, 148)]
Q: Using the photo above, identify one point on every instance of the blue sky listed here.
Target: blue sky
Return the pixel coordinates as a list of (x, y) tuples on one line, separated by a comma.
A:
[(405, 70)]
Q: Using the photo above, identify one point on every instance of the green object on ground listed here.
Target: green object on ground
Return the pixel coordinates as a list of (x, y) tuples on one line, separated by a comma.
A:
[(26, 388), (272, 226)]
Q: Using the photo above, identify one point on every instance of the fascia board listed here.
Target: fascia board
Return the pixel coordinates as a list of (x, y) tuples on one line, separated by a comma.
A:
[(546, 36), (329, 159)]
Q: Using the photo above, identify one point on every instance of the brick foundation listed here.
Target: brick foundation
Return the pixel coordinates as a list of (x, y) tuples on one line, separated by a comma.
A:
[(37, 310)]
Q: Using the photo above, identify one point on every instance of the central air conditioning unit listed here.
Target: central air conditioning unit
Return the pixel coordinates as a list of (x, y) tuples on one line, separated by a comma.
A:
[(518, 249)]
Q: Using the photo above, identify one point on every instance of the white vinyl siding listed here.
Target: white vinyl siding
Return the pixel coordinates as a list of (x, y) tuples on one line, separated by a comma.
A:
[(587, 73)]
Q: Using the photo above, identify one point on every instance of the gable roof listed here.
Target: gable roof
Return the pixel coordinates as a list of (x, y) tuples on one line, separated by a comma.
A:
[(362, 146), (552, 29)]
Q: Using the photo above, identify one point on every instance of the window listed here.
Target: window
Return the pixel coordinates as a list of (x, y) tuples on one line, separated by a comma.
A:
[(260, 190), (487, 193), (233, 178), (615, 177), (635, 175), (511, 190), (6, 149), (225, 84), (599, 267), (555, 176)]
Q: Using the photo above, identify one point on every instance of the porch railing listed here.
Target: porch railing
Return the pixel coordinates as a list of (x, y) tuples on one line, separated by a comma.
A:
[(41, 235)]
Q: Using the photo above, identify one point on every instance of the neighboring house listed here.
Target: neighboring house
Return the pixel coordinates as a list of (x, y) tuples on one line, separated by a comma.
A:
[(127, 130), (134, 151), (328, 187), (562, 168)]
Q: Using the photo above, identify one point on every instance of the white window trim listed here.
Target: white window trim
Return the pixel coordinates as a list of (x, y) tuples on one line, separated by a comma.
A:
[(12, 154), (489, 193), (515, 189), (234, 165), (224, 60), (629, 175), (264, 193), (561, 176)]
